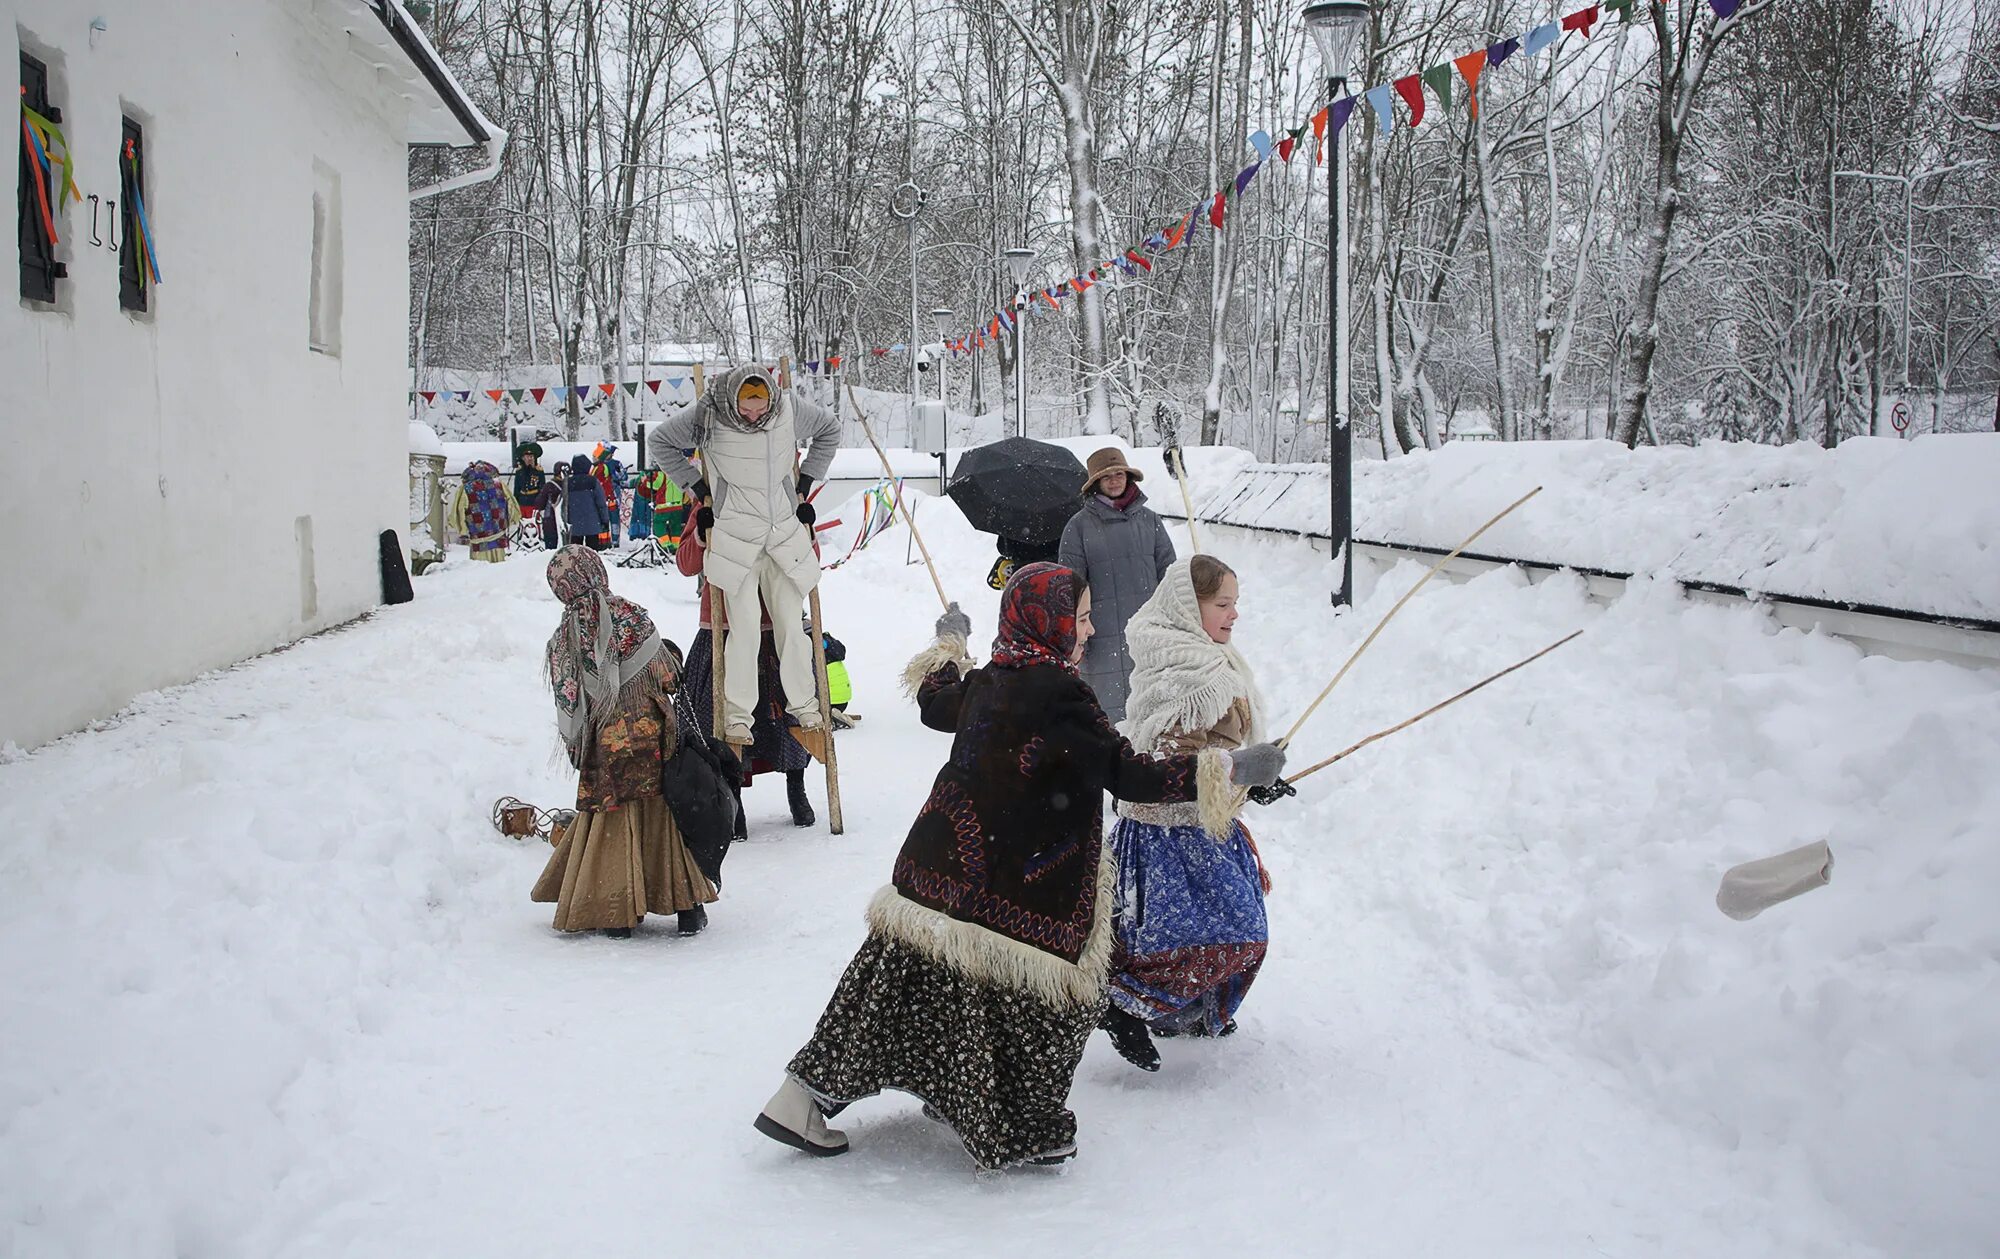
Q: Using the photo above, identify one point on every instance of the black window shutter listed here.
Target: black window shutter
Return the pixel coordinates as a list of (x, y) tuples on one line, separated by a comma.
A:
[(39, 268), (131, 250)]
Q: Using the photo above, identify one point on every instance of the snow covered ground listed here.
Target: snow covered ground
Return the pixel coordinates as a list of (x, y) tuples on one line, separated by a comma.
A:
[(274, 987)]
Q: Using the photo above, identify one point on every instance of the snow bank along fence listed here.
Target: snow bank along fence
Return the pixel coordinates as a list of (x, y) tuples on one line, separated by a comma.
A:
[(1293, 501)]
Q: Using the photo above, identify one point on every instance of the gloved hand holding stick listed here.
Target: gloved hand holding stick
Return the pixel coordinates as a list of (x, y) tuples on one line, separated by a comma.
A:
[(1435, 568)]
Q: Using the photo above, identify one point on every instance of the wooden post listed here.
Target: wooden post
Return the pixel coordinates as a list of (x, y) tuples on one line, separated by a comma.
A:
[(835, 822)]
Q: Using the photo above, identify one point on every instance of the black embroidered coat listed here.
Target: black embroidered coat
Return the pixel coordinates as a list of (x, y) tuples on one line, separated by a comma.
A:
[(1011, 835)]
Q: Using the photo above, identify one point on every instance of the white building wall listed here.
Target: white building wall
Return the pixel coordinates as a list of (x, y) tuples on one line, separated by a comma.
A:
[(165, 460)]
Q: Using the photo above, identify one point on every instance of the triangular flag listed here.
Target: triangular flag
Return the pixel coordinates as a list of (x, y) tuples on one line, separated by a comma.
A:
[(898, 348), (1343, 109), (1215, 211), (412, 395), (1540, 37), (1319, 136), (1411, 88), (1177, 231), (539, 394), (1244, 176), (1261, 141), (1623, 8), (496, 394), (652, 386), (631, 388), (1497, 53), (878, 352), (609, 387), (465, 395), (1048, 295), (428, 395), (813, 367), (515, 395), (1469, 67), (1384, 112), (1139, 258), (1581, 20), (674, 382), (1079, 283), (1438, 80), (580, 390), (833, 364), (1285, 147)]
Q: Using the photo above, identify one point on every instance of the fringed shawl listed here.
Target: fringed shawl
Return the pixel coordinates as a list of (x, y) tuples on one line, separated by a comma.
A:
[(602, 647), (1183, 681)]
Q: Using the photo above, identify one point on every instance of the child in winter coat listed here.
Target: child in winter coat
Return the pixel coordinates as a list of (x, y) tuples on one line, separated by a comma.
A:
[(984, 968), (583, 500), (1190, 923)]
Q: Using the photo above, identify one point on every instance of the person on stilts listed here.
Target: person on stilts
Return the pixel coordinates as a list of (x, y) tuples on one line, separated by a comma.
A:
[(757, 528)]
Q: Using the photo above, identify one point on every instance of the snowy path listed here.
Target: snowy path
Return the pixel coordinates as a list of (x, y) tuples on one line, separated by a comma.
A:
[(274, 987)]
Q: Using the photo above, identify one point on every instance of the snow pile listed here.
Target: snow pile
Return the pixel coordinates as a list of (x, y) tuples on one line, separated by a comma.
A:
[(424, 439), (1906, 524), (276, 987)]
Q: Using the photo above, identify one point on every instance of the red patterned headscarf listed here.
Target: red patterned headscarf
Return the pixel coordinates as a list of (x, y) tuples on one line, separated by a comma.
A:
[(1037, 618), (602, 646)]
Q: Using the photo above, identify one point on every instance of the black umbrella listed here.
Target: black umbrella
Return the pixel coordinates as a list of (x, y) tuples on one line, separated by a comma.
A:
[(1020, 489)]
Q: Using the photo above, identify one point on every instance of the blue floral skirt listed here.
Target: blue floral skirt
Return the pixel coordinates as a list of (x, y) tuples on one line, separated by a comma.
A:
[(1190, 924)]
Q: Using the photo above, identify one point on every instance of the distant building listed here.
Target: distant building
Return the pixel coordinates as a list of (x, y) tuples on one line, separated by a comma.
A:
[(206, 402)]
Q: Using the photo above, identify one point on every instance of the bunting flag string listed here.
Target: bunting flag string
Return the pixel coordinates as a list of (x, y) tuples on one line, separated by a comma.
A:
[(540, 393), (1324, 123)]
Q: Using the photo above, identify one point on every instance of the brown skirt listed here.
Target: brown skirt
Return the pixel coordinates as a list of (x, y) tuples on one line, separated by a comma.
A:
[(613, 868)]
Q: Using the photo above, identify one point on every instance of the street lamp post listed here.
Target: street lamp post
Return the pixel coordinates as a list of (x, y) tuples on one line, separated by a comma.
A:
[(941, 320), (906, 202), (1336, 26), (1019, 260)]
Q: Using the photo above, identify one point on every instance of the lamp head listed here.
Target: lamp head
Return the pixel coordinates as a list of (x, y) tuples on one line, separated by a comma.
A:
[(1336, 26), (1019, 259), (941, 316)]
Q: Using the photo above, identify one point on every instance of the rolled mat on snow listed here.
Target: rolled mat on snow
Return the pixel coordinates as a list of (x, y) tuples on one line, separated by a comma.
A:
[(1753, 887)]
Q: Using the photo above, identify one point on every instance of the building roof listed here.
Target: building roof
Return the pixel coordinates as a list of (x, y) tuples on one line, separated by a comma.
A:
[(440, 110)]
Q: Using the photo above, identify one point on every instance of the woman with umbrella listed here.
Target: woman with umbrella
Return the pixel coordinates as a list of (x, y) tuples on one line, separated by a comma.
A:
[(1121, 549), (1021, 491), (984, 968)]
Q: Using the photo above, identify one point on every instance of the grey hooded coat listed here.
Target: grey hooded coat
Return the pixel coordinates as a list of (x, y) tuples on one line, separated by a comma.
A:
[(1122, 555)]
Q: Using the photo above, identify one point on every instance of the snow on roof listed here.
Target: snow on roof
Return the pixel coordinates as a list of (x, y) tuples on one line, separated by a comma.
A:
[(441, 111)]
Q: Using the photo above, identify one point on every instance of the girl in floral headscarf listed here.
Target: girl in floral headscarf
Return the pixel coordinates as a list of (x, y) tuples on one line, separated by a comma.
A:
[(985, 964), (623, 856)]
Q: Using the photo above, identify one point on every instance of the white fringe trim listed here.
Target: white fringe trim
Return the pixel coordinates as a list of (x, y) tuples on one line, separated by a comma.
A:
[(1219, 799), (932, 658), (989, 957)]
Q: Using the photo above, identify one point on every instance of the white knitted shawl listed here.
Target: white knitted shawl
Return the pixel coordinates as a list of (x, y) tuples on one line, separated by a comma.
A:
[(1182, 680)]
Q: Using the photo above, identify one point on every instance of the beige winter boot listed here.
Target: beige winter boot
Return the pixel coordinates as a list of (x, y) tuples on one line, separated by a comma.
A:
[(792, 1117)]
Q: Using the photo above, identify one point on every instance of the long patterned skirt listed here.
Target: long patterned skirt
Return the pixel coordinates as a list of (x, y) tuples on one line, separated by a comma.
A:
[(994, 1063), (1190, 925), (772, 750)]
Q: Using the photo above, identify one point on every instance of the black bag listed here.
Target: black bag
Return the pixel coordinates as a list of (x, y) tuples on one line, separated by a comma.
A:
[(697, 788), (395, 577)]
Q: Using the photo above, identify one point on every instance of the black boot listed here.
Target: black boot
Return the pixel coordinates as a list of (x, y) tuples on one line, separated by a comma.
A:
[(795, 791), (691, 921), (619, 933), (1133, 1042)]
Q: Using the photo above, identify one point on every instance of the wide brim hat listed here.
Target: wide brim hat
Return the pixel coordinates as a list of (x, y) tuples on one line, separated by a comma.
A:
[(529, 448), (1103, 464)]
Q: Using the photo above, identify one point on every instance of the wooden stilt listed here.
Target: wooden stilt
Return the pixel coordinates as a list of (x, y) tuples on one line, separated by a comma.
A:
[(831, 760)]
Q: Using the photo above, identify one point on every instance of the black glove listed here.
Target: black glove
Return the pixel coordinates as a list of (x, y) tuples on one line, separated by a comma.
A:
[(700, 490), (1277, 791), (1257, 765), (1172, 454), (704, 520), (806, 514), (805, 485)]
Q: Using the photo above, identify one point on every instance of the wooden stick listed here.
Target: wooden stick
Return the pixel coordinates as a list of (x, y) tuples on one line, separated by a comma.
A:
[(718, 616), (1435, 568), (1383, 734), (834, 821), (1187, 499), (890, 472)]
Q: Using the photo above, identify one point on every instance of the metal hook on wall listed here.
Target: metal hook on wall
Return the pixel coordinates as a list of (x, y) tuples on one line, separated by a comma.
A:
[(112, 207), (95, 239)]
